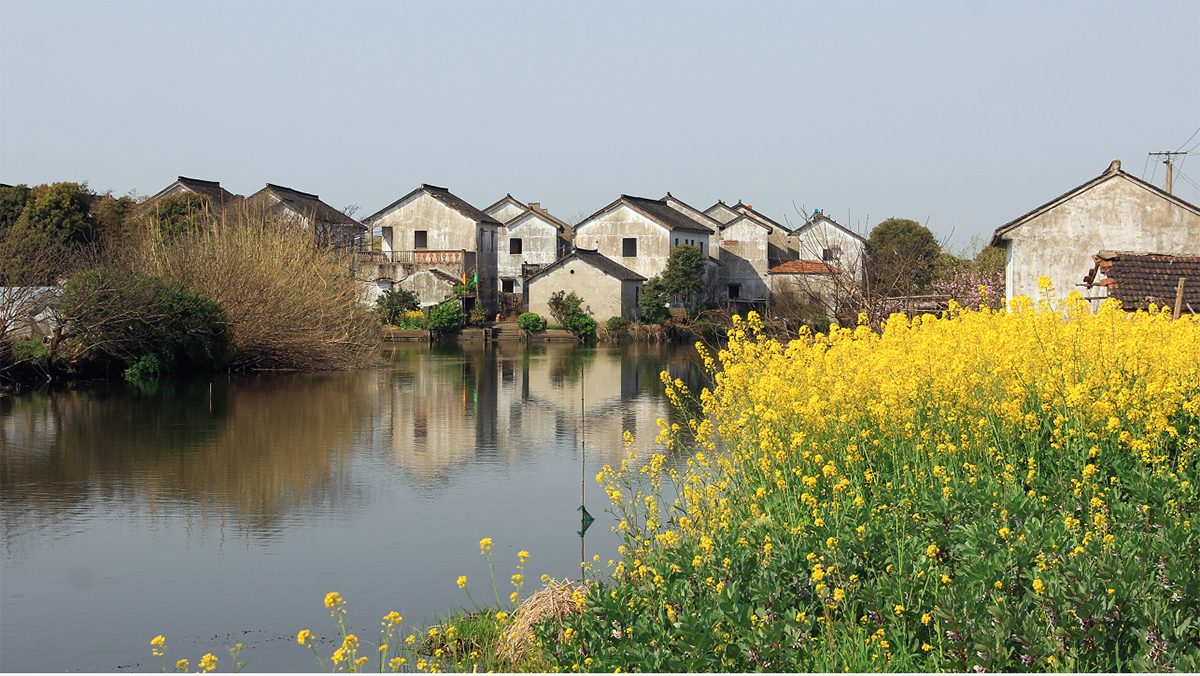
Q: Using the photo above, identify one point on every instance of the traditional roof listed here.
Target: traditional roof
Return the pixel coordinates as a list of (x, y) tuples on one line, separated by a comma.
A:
[(445, 197), (802, 268), (1139, 279), (210, 189), (507, 199), (820, 216), (762, 218), (305, 204), (595, 259), (656, 210), (695, 214), (1113, 171), (445, 276), (726, 212), (537, 210)]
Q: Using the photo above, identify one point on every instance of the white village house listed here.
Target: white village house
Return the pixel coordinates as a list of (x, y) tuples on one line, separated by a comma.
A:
[(308, 212), (1112, 212), (431, 229), (608, 289), (530, 240)]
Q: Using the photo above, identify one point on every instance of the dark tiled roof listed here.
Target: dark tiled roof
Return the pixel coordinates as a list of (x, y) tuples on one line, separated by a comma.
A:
[(306, 204), (662, 213), (506, 199), (1139, 279), (802, 268), (445, 197), (747, 209), (445, 276), (597, 260), (1113, 171), (216, 195)]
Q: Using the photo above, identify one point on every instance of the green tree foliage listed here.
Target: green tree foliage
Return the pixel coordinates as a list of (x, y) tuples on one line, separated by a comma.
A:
[(180, 213), (393, 303), (12, 203), (151, 326), (531, 321), (903, 254), (563, 305), (54, 224), (113, 216), (989, 260), (445, 317), (685, 268), (653, 301)]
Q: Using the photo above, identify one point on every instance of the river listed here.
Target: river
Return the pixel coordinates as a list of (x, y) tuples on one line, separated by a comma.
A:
[(221, 510)]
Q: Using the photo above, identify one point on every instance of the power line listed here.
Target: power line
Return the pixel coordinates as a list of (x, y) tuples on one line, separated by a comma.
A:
[(1190, 139)]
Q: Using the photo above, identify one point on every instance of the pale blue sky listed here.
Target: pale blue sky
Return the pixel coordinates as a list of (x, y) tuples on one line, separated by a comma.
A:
[(961, 115)]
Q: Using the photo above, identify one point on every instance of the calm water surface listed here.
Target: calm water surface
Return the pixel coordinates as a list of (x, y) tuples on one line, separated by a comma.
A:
[(221, 510)]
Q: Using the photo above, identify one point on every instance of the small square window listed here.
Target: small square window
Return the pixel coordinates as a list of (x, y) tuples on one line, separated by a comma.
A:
[(831, 254), (629, 247), (421, 239), (514, 245), (735, 290), (506, 285)]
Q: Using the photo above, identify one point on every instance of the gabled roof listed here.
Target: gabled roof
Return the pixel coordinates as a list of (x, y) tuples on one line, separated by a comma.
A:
[(535, 209), (210, 189), (724, 209), (820, 216), (657, 211), (692, 212), (595, 259), (1113, 171), (507, 199), (802, 268), (445, 197), (762, 218), (1138, 279), (305, 204)]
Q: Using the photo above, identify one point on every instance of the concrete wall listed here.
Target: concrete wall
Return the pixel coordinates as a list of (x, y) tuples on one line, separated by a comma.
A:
[(505, 212), (539, 245), (429, 287), (1116, 214), (744, 251), (606, 231), (603, 296)]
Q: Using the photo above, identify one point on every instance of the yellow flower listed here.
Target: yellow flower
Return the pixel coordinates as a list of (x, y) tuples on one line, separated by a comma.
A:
[(926, 647), (1004, 533), (208, 662), (158, 641), (462, 581), (931, 551), (182, 665), (485, 545), (302, 637), (1038, 586), (523, 555), (926, 618), (899, 609), (839, 594), (333, 599)]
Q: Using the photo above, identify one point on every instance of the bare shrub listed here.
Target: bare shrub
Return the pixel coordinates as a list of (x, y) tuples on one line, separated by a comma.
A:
[(292, 304)]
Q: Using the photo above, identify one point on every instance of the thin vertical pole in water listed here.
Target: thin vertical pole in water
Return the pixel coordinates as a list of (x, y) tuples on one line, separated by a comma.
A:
[(582, 461)]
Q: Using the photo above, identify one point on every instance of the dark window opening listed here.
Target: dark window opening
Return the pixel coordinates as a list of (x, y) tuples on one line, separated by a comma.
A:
[(831, 254), (514, 245), (629, 247), (735, 290), (420, 239), (507, 284)]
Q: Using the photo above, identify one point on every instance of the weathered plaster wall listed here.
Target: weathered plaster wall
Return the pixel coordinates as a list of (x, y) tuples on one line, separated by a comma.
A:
[(505, 212), (810, 242), (606, 231), (820, 288), (429, 287), (603, 296), (539, 245), (744, 250), (1116, 214), (446, 228)]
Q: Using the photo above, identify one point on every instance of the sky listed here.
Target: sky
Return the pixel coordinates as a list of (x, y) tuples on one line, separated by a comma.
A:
[(960, 115)]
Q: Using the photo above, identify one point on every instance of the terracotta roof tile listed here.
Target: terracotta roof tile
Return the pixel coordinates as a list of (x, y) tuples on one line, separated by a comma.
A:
[(802, 268), (1139, 279)]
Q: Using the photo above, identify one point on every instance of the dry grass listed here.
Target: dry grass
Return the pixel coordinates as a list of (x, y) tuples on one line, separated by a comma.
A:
[(292, 304), (556, 600)]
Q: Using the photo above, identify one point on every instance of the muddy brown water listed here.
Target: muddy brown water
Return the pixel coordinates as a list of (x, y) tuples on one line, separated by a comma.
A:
[(221, 510)]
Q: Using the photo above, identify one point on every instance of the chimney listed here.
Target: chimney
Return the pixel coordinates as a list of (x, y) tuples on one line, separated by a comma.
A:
[(536, 206)]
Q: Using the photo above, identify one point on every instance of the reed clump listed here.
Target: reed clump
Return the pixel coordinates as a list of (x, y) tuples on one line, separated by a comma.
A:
[(291, 303)]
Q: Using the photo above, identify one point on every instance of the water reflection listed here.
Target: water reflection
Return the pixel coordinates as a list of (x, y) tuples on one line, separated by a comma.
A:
[(411, 463)]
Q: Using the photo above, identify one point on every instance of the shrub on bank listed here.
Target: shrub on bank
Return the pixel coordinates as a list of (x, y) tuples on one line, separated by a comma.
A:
[(531, 321), (981, 491), (617, 324), (394, 303), (445, 317)]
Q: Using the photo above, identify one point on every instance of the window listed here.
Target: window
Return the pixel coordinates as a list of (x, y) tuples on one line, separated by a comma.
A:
[(629, 247), (701, 247), (735, 290), (514, 245), (830, 254), (506, 285), (676, 241), (421, 239)]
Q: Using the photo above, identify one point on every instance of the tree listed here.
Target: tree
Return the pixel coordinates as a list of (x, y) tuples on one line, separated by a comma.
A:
[(902, 256), (685, 268), (562, 305), (54, 225), (393, 303), (179, 213), (653, 301)]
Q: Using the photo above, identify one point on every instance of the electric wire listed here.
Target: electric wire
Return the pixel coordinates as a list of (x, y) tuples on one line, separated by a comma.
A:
[(1181, 145)]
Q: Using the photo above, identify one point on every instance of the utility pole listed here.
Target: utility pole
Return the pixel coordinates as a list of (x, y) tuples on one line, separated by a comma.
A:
[(1170, 167)]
